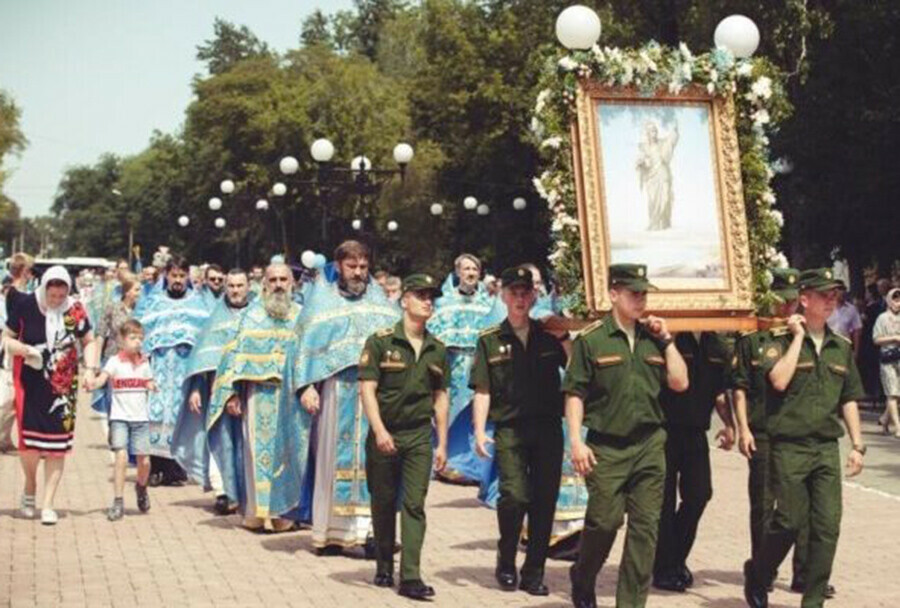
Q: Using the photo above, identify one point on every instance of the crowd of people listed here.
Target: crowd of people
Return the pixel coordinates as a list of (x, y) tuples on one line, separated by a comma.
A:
[(330, 399)]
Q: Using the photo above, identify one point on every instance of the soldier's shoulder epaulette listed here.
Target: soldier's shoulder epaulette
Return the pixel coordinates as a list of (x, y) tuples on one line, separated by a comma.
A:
[(383, 333), (778, 332), (747, 332), (490, 330), (438, 340), (591, 327), (844, 338)]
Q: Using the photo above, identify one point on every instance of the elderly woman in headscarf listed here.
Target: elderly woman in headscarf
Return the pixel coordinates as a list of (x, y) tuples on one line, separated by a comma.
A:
[(42, 334), (886, 335)]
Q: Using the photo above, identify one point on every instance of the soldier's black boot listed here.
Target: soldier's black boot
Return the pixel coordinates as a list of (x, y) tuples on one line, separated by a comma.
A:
[(756, 594)]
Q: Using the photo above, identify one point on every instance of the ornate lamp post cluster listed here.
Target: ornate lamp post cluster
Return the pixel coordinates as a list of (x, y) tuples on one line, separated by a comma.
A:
[(360, 178)]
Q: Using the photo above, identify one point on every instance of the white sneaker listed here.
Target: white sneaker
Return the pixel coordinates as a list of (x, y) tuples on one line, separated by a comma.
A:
[(49, 517), (26, 507)]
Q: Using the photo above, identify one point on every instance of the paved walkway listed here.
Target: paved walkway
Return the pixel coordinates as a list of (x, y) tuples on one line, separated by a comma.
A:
[(182, 554)]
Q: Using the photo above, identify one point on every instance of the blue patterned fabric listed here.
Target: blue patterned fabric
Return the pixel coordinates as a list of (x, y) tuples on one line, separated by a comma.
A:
[(457, 321), (171, 329), (189, 440), (333, 329), (332, 332), (259, 368)]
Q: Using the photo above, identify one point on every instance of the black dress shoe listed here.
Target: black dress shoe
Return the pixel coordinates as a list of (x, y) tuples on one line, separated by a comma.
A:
[(830, 592), (669, 582), (534, 588), (329, 550), (222, 507), (754, 593), (581, 598), (384, 580), (415, 590), (506, 579), (687, 577)]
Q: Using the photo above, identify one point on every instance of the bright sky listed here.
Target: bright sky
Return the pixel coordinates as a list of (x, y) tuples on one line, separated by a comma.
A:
[(95, 76)]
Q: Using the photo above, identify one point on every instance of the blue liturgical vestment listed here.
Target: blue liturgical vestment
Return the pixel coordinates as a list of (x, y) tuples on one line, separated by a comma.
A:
[(262, 454), (457, 320), (189, 442), (332, 331), (171, 329)]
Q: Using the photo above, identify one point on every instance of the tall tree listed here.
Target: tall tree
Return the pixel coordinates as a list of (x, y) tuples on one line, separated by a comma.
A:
[(230, 45), (316, 30)]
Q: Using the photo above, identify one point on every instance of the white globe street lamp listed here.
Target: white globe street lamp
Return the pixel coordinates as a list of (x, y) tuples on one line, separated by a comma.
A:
[(289, 165), (403, 154), (356, 224), (308, 258), (320, 261), (470, 203), (183, 221), (220, 222), (392, 226), (738, 34), (360, 163), (578, 28), (227, 186), (321, 150), (262, 204), (279, 189), (437, 209), (215, 203), (483, 209), (519, 203)]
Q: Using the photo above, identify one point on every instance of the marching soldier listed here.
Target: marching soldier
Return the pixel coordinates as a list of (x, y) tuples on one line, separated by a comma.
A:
[(404, 375), (813, 381), (748, 379), (688, 472), (612, 385), (516, 378)]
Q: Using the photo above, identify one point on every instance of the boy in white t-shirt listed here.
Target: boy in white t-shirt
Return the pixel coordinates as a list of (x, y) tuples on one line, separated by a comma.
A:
[(130, 380)]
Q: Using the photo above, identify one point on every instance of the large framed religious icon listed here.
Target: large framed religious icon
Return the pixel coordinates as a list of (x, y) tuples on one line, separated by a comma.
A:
[(658, 182)]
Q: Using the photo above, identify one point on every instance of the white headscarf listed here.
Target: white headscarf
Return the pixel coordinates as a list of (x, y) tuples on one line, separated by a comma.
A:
[(55, 326)]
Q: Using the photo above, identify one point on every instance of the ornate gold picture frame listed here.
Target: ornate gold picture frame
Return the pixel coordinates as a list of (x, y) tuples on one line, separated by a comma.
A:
[(658, 181)]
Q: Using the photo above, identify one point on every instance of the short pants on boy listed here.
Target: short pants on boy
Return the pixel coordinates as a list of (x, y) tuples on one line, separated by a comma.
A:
[(133, 436)]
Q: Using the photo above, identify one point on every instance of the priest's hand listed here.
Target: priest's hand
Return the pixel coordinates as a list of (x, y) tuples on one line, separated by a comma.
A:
[(310, 400), (233, 405), (385, 443), (194, 402), (440, 458)]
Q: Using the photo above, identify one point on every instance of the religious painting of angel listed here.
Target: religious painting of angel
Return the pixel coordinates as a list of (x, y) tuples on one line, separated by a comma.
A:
[(658, 183)]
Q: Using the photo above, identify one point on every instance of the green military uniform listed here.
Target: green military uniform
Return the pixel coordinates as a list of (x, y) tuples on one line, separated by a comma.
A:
[(750, 367), (525, 406), (620, 387), (804, 426), (688, 471), (405, 394)]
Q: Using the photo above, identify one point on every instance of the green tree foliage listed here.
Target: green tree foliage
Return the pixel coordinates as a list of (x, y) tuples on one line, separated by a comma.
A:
[(458, 80), (12, 142), (229, 46), (842, 143)]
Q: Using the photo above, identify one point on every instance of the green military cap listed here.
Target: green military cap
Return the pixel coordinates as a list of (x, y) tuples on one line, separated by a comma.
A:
[(422, 282), (785, 283), (631, 276), (819, 279), (517, 276)]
